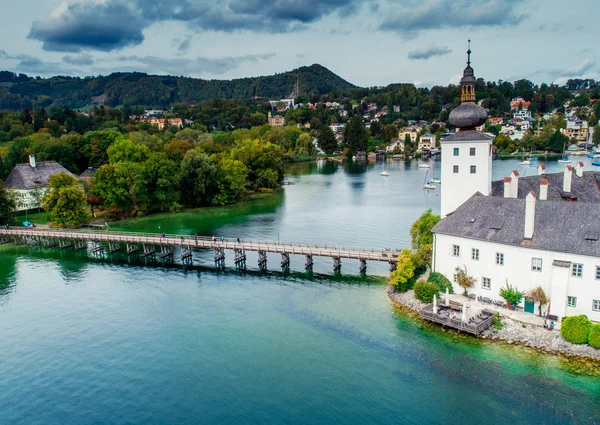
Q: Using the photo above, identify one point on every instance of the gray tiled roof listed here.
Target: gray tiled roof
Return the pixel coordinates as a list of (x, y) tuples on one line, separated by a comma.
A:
[(569, 227), (466, 136), (583, 189), (25, 177)]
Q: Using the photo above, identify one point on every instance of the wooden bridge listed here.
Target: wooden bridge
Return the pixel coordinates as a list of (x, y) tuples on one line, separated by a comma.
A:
[(164, 247)]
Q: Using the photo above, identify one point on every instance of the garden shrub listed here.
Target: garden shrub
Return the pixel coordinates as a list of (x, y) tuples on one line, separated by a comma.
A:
[(441, 282), (425, 291), (576, 329), (594, 337)]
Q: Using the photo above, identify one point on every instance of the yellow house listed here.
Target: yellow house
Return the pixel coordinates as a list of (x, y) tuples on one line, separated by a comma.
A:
[(413, 134)]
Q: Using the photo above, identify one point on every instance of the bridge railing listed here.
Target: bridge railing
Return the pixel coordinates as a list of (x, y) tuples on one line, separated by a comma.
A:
[(143, 237)]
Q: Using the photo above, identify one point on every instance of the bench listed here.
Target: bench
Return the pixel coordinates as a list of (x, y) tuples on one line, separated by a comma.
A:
[(454, 305)]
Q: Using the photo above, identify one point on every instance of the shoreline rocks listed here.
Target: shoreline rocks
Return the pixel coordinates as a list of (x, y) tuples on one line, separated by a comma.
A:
[(513, 332)]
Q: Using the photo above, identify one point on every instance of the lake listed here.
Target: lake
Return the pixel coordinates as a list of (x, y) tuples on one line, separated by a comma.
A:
[(108, 341)]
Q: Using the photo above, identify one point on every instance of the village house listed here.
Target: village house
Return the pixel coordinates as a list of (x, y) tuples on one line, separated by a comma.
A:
[(337, 127), (275, 120), (528, 232), (519, 103), (496, 121), (426, 142), (412, 133), (29, 182), (395, 146), (282, 104), (162, 122), (576, 129)]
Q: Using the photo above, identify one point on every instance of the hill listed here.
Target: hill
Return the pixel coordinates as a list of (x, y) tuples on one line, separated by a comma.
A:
[(18, 91)]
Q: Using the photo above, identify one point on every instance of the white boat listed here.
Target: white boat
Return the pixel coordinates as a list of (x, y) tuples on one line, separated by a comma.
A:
[(385, 173), (565, 159), (435, 181), (526, 162), (428, 184), (424, 166)]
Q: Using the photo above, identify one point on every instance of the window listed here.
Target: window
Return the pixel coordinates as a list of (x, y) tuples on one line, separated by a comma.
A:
[(499, 259), (473, 169), (475, 254), (456, 151), (486, 283), (596, 305), (598, 272), (576, 270), (472, 151), (455, 169), (455, 250), (571, 301), (536, 264)]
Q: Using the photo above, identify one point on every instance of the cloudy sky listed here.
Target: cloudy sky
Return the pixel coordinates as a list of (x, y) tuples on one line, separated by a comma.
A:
[(367, 42)]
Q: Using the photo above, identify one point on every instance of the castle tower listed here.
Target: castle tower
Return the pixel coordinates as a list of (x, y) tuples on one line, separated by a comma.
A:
[(466, 154)]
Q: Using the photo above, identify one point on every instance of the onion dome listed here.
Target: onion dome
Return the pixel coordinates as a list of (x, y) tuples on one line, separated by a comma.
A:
[(468, 114)]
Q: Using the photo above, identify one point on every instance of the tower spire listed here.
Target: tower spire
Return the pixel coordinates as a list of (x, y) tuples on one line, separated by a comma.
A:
[(469, 54)]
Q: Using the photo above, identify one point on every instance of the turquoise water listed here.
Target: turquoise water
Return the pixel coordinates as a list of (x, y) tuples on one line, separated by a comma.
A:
[(98, 341)]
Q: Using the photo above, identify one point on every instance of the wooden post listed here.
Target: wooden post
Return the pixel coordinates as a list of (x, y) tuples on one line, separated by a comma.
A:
[(262, 260), (363, 266), (285, 261), (337, 264), (308, 264), (240, 258)]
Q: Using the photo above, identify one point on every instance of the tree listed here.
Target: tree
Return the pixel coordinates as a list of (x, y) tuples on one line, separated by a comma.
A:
[(463, 279), (537, 295), (7, 205), (420, 231), (356, 135), (326, 140), (65, 199), (405, 270), (511, 295), (390, 132), (198, 179), (232, 181), (596, 136)]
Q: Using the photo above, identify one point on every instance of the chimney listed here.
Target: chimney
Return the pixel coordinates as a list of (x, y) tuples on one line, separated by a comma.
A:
[(579, 169), (543, 189), (507, 181), (568, 176), (529, 215), (514, 186), (541, 169), (32, 161)]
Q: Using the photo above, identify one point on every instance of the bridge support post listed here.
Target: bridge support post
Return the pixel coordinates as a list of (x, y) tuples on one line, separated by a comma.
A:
[(186, 255), (113, 247), (79, 245), (285, 261), (337, 264), (48, 242), (166, 252), (262, 260), (392, 266), (132, 249), (4, 239), (149, 251), (308, 263), (363, 266), (219, 257), (63, 243), (97, 248), (240, 259)]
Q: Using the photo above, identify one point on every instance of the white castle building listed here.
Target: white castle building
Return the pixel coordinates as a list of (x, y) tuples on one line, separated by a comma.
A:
[(533, 231)]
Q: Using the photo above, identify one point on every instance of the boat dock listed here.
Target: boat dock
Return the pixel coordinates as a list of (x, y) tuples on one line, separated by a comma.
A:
[(475, 325)]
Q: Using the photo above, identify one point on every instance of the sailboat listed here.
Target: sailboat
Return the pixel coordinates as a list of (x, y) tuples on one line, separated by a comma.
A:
[(525, 161), (565, 159), (426, 184)]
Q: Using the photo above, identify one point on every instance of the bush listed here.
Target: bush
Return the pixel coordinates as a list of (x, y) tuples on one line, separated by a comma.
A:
[(576, 329), (403, 276), (441, 282), (425, 291), (594, 338)]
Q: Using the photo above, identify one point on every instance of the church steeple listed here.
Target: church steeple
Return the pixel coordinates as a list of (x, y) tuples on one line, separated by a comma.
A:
[(468, 80), (468, 115)]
